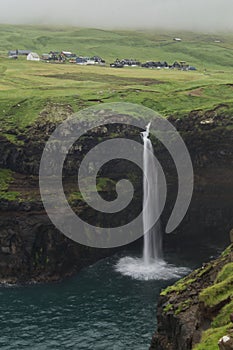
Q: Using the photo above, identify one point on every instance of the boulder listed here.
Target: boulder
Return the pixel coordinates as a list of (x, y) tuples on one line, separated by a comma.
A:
[(226, 343)]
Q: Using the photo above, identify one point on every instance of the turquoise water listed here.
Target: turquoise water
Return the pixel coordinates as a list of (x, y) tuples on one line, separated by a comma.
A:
[(99, 309)]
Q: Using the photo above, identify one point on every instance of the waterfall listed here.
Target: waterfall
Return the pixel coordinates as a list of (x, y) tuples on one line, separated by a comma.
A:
[(151, 266), (152, 250)]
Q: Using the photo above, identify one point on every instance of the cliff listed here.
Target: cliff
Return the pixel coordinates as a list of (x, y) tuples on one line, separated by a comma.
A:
[(31, 249), (194, 313)]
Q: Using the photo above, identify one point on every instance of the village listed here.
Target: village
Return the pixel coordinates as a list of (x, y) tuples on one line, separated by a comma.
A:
[(63, 57)]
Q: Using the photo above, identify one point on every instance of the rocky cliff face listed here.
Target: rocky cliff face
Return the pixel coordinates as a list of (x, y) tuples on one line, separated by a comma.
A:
[(32, 250), (209, 138), (195, 312), (30, 246)]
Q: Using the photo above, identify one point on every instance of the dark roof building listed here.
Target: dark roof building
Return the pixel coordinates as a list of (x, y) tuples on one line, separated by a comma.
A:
[(19, 52)]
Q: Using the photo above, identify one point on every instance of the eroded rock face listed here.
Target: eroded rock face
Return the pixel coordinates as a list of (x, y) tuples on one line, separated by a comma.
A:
[(188, 308), (31, 247)]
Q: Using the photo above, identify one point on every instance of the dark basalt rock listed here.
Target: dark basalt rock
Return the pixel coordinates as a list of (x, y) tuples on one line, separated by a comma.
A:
[(32, 249), (183, 315)]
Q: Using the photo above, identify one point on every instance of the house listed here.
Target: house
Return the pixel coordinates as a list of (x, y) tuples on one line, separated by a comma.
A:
[(117, 64), (176, 65), (163, 64), (99, 60), (68, 54), (130, 62), (18, 52), (56, 56), (81, 60), (152, 64), (12, 53), (46, 57), (192, 68), (125, 62), (90, 61), (33, 56)]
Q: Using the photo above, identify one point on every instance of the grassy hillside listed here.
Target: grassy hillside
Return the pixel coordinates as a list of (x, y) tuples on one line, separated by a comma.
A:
[(201, 50), (26, 87)]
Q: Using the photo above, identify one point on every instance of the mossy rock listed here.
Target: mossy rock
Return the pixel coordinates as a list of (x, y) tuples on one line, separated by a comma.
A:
[(221, 290)]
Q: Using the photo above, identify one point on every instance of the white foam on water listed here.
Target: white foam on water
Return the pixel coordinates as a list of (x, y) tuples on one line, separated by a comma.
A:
[(155, 270)]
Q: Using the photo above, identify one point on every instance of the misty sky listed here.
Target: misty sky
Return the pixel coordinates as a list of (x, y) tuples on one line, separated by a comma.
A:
[(201, 15)]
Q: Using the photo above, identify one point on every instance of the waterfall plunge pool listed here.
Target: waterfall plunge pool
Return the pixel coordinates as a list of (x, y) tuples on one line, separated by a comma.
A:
[(99, 309)]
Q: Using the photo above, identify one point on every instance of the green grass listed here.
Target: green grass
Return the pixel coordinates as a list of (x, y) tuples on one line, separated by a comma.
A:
[(26, 88), (220, 326), (9, 196), (144, 45), (29, 87), (179, 286), (224, 274), (6, 177), (222, 319), (168, 308), (218, 297), (227, 251), (211, 337), (183, 306), (218, 292), (102, 185)]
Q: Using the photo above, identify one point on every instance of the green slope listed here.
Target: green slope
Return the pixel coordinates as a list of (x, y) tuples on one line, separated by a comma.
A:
[(27, 87), (197, 49)]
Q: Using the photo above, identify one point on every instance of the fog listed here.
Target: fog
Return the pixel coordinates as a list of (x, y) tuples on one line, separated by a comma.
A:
[(199, 15)]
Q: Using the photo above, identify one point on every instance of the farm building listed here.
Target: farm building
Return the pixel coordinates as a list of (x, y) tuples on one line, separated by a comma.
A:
[(90, 60), (33, 56), (45, 57), (18, 52), (68, 54), (152, 64), (98, 60), (81, 61), (125, 62)]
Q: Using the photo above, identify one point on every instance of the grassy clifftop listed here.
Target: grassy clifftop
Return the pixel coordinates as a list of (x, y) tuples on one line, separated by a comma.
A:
[(28, 87)]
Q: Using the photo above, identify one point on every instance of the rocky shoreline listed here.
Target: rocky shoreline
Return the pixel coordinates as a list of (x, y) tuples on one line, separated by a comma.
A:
[(194, 313)]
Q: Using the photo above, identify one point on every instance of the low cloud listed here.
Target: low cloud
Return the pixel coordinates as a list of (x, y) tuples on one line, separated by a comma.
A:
[(199, 15)]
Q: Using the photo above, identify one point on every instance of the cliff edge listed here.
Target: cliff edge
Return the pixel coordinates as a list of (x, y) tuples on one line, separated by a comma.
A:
[(196, 311)]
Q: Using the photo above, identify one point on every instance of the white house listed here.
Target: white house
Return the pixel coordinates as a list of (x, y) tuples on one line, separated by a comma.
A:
[(33, 56)]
